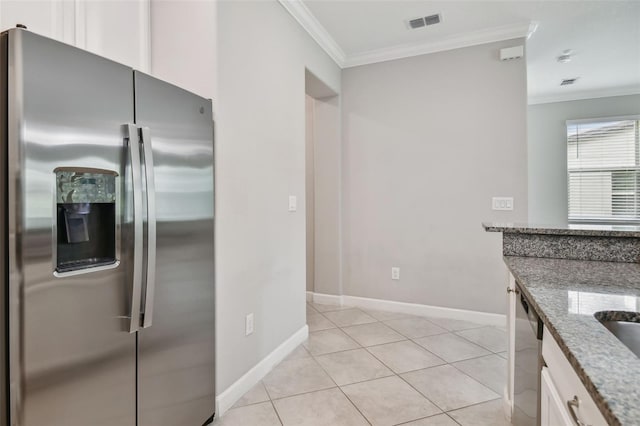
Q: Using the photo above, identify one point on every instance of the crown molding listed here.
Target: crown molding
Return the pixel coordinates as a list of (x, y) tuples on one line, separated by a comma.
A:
[(316, 30), (584, 94), (305, 18), (488, 35)]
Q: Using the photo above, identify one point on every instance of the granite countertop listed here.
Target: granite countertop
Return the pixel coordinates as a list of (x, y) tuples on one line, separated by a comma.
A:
[(566, 294), (565, 229)]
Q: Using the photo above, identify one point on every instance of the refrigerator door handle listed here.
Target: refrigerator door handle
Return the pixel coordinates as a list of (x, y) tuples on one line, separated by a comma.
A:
[(151, 227), (133, 145)]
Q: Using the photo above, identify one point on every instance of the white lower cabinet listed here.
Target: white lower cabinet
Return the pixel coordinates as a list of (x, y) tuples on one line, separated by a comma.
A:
[(560, 386), (553, 411), (511, 348)]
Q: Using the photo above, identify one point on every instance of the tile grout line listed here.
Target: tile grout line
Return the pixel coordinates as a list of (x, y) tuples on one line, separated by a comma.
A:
[(478, 344), (393, 373), (413, 339), (428, 417), (276, 411), (307, 392), (458, 408), (409, 371), (366, 419), (477, 381), (467, 340), (446, 363), (338, 386), (417, 390), (462, 372), (472, 405), (409, 384)]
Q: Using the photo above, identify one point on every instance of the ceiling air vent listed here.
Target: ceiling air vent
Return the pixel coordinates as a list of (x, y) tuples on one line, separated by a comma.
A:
[(432, 19), (423, 22), (568, 81), (416, 23)]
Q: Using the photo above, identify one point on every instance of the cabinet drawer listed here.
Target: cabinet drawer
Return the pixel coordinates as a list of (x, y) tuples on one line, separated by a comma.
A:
[(567, 383), (553, 410)]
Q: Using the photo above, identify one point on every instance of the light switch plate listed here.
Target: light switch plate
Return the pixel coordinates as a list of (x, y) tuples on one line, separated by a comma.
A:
[(395, 273), (248, 324), (293, 203), (502, 203)]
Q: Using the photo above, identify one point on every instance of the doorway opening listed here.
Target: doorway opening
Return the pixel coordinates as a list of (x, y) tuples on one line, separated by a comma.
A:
[(322, 188)]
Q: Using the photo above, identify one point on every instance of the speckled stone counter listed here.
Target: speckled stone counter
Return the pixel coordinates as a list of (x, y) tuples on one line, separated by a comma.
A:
[(566, 294), (606, 243), (584, 230)]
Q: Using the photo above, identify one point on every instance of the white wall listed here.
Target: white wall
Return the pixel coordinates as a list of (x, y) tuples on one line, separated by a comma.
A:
[(427, 141), (260, 161), (547, 150)]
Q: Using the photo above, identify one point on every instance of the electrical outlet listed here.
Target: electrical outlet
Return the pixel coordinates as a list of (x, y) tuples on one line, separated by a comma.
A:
[(502, 203), (395, 273), (293, 203), (248, 324)]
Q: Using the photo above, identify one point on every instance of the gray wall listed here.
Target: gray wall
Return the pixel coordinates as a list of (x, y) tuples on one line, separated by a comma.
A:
[(260, 161), (327, 192), (309, 191), (547, 150), (427, 141)]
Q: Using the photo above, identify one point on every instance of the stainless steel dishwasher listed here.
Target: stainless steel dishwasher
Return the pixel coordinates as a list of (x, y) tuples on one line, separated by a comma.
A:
[(528, 363)]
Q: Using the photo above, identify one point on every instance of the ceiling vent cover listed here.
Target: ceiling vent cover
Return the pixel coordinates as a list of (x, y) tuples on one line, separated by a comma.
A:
[(568, 81), (416, 23), (432, 19)]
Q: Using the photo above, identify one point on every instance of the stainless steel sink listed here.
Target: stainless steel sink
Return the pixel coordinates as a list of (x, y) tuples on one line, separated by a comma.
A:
[(624, 325)]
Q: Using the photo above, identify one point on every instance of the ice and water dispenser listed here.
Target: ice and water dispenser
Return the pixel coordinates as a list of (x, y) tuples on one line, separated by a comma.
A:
[(86, 218)]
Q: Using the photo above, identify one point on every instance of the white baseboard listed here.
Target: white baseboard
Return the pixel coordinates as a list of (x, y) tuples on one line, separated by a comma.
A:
[(486, 318), (328, 299), (233, 393), (425, 310), (506, 405), (309, 296)]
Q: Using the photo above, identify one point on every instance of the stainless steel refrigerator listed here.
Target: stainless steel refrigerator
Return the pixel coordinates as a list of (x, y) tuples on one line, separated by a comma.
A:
[(107, 303)]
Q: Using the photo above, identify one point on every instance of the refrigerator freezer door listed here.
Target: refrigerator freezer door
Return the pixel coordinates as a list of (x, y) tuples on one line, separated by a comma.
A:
[(4, 376), (73, 361), (176, 352)]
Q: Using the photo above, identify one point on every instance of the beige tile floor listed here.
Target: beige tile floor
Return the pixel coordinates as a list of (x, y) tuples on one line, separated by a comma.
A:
[(362, 367)]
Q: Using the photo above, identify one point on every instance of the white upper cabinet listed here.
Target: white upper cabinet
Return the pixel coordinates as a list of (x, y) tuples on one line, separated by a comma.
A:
[(183, 44), (51, 18), (118, 30), (179, 47)]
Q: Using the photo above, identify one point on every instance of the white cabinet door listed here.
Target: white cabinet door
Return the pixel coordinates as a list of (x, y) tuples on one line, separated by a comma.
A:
[(118, 30), (183, 44), (568, 384), (511, 335), (552, 411), (50, 18)]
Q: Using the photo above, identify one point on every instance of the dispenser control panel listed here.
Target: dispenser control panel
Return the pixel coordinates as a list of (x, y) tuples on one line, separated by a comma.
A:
[(85, 218)]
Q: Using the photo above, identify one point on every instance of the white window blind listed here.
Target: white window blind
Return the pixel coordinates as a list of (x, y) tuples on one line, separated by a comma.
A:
[(603, 164)]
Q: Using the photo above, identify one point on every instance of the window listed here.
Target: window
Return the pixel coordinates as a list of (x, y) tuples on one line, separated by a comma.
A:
[(603, 164)]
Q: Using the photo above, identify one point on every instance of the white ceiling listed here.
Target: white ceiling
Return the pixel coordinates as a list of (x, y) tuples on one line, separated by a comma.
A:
[(604, 35)]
